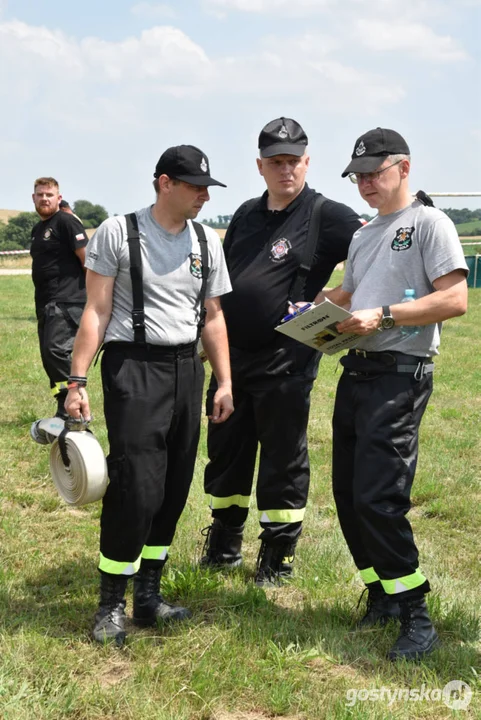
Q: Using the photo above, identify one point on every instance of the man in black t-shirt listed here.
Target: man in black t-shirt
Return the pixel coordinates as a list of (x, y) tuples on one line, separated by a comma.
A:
[(272, 374), (58, 255)]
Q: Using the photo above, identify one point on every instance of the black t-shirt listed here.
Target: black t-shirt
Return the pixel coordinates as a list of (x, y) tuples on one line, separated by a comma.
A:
[(57, 272), (264, 249)]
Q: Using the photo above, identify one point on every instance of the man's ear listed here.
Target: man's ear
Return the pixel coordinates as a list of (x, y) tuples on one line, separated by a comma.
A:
[(405, 166), (259, 166), (164, 183)]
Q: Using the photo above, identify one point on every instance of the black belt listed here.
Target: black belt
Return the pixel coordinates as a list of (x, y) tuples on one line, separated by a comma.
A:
[(366, 362), (153, 351)]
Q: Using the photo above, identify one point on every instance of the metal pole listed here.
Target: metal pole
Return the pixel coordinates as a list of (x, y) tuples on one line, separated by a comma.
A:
[(454, 194)]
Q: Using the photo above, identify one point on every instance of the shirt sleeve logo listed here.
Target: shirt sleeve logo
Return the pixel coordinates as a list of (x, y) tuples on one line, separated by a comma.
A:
[(80, 237), (279, 249), (403, 239), (195, 265)]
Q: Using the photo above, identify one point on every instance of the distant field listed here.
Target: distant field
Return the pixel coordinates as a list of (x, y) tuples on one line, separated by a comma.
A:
[(5, 215), (468, 227)]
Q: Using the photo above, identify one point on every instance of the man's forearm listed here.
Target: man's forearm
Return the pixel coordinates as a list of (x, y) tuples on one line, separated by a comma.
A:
[(87, 341), (216, 346)]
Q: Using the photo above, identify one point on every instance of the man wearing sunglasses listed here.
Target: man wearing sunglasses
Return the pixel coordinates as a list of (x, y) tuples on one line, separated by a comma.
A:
[(387, 379)]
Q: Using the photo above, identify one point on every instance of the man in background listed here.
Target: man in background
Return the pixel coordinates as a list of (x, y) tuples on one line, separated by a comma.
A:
[(65, 207), (58, 256)]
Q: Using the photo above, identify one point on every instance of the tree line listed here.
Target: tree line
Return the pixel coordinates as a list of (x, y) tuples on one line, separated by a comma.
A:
[(16, 234)]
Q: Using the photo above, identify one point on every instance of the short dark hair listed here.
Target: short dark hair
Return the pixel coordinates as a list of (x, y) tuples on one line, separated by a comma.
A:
[(63, 203)]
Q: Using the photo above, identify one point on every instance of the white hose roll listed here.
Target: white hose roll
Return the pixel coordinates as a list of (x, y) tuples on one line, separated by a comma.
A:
[(85, 481)]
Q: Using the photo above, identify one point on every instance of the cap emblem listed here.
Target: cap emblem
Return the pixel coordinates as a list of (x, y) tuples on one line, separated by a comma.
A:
[(283, 132), (361, 149), (203, 165)]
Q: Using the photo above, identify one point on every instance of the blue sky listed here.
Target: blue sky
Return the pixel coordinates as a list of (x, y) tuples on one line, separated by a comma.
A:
[(93, 92)]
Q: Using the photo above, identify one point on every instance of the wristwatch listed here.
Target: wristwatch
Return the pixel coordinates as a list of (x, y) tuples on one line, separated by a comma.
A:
[(387, 320)]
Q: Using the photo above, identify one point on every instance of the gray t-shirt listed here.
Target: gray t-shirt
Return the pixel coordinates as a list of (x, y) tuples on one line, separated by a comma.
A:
[(171, 266), (410, 248)]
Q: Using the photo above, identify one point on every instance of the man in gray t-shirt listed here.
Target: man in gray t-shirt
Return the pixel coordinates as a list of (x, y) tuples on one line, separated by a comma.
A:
[(387, 379), (152, 377)]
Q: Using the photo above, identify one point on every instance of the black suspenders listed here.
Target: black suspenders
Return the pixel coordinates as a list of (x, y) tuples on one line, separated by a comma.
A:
[(299, 283), (138, 315), (204, 254)]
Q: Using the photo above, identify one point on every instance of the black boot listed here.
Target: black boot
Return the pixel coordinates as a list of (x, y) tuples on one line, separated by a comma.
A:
[(380, 607), (110, 617), (418, 636), (60, 398), (274, 563), (222, 547), (150, 607)]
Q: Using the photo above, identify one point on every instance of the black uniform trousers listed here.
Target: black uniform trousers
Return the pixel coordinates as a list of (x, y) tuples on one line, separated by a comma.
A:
[(152, 404), (375, 448), (57, 325), (271, 391)]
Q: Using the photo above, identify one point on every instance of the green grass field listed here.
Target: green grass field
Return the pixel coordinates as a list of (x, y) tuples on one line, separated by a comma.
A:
[(247, 654), (468, 227)]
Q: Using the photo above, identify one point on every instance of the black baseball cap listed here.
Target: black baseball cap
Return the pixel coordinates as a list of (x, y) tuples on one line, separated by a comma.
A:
[(187, 163), (63, 203), (282, 136), (371, 148)]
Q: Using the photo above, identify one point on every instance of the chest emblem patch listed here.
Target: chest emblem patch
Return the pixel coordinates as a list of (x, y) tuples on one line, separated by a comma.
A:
[(47, 234), (195, 265), (279, 249), (403, 239)]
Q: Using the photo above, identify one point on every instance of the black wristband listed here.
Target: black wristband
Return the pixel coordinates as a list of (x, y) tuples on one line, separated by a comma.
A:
[(77, 380)]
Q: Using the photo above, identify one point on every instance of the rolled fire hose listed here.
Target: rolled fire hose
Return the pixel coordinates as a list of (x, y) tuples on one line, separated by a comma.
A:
[(78, 466)]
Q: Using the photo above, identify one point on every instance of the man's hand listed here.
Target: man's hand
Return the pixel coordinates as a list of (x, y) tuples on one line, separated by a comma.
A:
[(362, 322), (293, 308), (77, 404), (222, 406)]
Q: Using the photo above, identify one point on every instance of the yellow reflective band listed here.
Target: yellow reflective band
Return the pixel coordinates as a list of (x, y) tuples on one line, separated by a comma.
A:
[(118, 568), (281, 516), (220, 503), (368, 575), (409, 582), (62, 385), (155, 553)]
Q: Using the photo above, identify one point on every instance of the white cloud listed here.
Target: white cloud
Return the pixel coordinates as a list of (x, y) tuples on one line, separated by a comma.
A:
[(299, 8), (163, 56), (153, 11), (306, 73), (412, 38)]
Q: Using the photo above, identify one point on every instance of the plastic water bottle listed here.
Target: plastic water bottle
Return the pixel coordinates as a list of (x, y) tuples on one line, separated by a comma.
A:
[(409, 330)]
